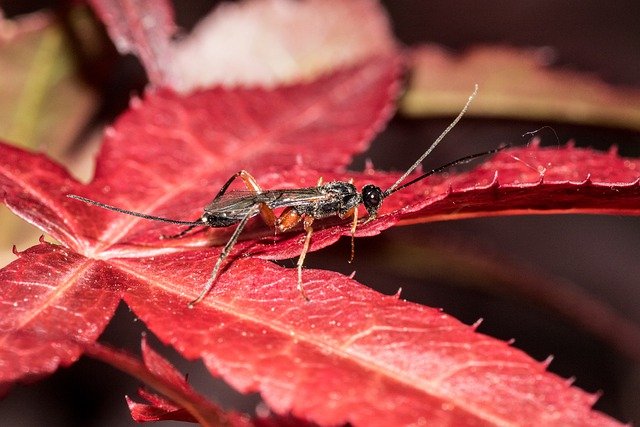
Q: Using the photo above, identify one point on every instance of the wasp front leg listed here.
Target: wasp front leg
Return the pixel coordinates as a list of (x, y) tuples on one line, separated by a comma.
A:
[(353, 213)]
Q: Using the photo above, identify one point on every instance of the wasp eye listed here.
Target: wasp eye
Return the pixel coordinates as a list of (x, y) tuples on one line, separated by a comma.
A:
[(373, 198)]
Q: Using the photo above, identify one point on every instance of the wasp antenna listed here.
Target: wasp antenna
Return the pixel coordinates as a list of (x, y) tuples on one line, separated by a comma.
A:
[(133, 213), (455, 121), (462, 160)]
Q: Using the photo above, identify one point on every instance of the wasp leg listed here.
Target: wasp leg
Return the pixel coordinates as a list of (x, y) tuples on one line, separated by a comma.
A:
[(252, 185), (223, 255), (353, 213), (308, 220), (354, 225), (286, 221), (248, 179)]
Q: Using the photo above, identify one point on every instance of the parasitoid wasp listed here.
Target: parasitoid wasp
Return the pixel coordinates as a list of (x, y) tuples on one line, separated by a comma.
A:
[(337, 198)]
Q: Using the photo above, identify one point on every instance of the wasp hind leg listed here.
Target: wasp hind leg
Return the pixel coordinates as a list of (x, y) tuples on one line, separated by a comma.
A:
[(223, 255)]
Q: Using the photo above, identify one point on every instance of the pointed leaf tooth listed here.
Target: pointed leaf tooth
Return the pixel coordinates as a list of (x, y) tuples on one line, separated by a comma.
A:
[(535, 142), (495, 181), (477, 324), (594, 397), (368, 167)]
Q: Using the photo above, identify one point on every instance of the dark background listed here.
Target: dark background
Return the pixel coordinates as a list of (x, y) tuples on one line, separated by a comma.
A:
[(596, 253)]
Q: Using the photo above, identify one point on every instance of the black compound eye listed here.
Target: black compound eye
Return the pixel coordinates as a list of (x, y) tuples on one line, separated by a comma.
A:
[(371, 196)]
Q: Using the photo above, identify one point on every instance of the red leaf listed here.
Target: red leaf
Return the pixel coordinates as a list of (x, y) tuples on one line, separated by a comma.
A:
[(142, 27), (160, 374), (170, 379), (322, 359), (160, 410), (526, 181), (52, 301)]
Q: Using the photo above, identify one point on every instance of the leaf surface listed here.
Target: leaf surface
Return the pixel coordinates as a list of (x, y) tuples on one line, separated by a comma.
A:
[(52, 301), (321, 359)]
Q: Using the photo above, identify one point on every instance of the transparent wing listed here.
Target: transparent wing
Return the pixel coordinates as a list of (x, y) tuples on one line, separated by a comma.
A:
[(243, 200)]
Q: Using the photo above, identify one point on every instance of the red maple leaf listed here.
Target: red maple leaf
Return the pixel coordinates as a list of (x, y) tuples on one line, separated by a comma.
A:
[(321, 359), (169, 151)]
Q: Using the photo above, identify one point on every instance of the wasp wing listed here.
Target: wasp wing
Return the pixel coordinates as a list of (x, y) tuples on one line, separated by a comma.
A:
[(238, 203)]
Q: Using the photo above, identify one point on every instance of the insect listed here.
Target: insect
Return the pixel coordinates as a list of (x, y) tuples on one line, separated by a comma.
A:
[(337, 198)]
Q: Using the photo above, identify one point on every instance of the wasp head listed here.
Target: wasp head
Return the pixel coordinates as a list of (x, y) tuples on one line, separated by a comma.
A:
[(372, 197)]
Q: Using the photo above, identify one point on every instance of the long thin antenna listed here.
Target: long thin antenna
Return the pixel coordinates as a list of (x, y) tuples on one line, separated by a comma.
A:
[(435, 143), (138, 214), (465, 159)]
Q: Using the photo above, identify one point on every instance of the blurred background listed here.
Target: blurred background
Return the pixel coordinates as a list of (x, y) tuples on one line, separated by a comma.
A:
[(525, 276)]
